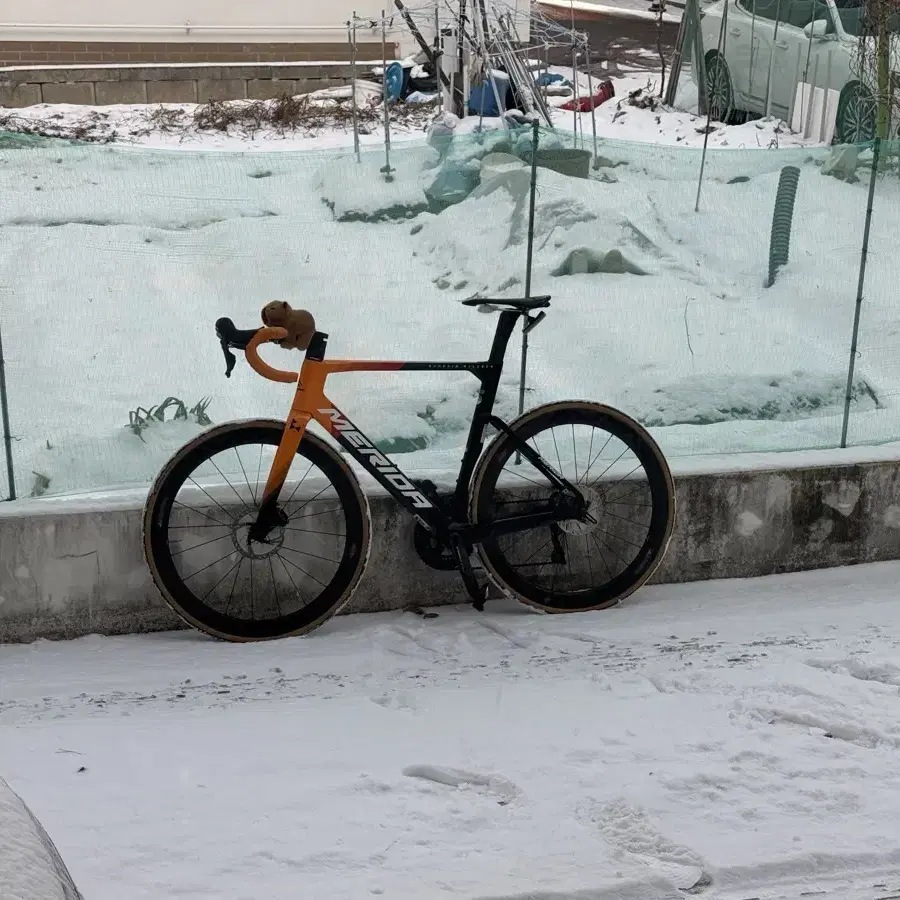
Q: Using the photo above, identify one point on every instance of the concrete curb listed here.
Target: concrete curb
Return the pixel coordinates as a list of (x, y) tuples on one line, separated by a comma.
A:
[(67, 570)]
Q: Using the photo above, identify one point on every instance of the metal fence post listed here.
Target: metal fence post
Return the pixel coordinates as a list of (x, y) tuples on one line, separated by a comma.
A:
[(4, 415), (529, 259), (864, 255)]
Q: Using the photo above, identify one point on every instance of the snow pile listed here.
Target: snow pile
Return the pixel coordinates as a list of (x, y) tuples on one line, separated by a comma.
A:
[(116, 264), (30, 865)]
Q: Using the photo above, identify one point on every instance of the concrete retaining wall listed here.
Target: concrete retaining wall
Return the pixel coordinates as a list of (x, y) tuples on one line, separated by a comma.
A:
[(106, 85), (67, 571)]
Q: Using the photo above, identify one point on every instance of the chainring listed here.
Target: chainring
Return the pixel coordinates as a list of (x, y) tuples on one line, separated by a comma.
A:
[(433, 551)]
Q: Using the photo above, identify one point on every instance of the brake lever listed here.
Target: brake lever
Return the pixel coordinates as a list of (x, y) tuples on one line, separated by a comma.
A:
[(222, 326), (230, 358)]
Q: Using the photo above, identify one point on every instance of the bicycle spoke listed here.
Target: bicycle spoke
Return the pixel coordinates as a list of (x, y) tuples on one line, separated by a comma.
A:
[(290, 578), (575, 452), (315, 497), (197, 512), (216, 562), (297, 487), (556, 446), (313, 515), (587, 553), (591, 462), (313, 531), (606, 512), (620, 557), (235, 566), (204, 544), (216, 502), (609, 571), (275, 586), (233, 488), (307, 574), (250, 488), (313, 555), (234, 585)]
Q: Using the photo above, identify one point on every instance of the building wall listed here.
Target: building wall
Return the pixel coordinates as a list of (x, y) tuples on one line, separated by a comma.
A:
[(66, 32), (91, 32)]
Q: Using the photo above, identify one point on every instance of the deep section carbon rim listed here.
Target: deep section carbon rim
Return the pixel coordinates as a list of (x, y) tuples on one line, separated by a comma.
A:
[(197, 535), (577, 564)]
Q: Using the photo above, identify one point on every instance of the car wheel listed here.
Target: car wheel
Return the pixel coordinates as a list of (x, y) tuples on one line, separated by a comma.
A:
[(719, 89), (856, 114)]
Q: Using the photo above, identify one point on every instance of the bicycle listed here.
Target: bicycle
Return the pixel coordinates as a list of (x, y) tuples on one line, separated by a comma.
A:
[(241, 532)]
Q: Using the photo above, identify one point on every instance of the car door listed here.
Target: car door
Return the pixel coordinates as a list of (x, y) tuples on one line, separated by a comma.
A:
[(762, 14), (802, 57), (738, 46), (794, 53)]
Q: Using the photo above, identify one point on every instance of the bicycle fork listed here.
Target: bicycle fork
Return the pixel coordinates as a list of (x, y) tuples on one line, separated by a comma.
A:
[(270, 516)]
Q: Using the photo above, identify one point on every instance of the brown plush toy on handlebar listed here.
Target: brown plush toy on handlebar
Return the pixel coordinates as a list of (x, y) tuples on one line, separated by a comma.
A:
[(299, 323)]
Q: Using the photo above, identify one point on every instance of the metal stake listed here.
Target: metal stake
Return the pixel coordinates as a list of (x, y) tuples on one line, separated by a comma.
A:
[(709, 109), (771, 61), (439, 57), (854, 343), (384, 101), (825, 91), (7, 436), (587, 53), (351, 37), (529, 259)]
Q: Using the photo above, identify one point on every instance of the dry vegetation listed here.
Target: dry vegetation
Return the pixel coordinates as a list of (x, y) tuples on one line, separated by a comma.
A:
[(303, 114)]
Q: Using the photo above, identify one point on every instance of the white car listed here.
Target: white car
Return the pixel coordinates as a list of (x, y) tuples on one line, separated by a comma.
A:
[(812, 41)]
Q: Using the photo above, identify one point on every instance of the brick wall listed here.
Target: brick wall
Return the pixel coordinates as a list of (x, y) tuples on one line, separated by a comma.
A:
[(59, 53)]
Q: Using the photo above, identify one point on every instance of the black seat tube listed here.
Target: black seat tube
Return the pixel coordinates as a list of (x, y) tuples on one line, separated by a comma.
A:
[(505, 326)]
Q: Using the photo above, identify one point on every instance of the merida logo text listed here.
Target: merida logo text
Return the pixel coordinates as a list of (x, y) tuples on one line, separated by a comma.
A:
[(381, 463)]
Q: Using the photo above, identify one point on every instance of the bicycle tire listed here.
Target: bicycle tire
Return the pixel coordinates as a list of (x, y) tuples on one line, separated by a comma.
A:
[(192, 609), (662, 516)]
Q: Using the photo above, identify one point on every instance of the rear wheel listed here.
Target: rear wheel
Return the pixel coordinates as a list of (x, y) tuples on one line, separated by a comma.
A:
[(576, 565), (197, 534)]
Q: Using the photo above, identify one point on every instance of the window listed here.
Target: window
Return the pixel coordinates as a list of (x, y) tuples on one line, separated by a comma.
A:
[(763, 9)]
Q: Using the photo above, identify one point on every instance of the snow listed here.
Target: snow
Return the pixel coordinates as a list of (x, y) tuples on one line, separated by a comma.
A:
[(124, 256), (619, 9), (30, 865), (736, 739)]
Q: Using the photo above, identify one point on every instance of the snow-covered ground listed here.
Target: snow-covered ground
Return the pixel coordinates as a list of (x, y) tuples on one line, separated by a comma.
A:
[(117, 260), (174, 126), (725, 739)]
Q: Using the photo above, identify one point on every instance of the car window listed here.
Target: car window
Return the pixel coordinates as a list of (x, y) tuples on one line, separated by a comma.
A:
[(764, 9), (798, 13), (853, 18)]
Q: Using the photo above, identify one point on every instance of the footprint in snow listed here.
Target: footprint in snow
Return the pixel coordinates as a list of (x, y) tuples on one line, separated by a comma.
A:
[(629, 830), (502, 788)]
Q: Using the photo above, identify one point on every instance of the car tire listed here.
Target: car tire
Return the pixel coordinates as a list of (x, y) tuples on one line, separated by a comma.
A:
[(855, 122), (719, 89)]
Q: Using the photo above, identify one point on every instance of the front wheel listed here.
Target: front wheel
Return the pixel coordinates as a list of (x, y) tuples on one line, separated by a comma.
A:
[(855, 120), (576, 565), (198, 544)]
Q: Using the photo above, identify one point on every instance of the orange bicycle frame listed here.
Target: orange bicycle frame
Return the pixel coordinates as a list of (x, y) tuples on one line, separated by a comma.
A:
[(311, 403)]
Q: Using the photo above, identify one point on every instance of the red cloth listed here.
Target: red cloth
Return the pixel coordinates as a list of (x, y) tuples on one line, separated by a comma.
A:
[(605, 92)]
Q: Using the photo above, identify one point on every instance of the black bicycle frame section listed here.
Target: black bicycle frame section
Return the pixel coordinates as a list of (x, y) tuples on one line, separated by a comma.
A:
[(422, 502)]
